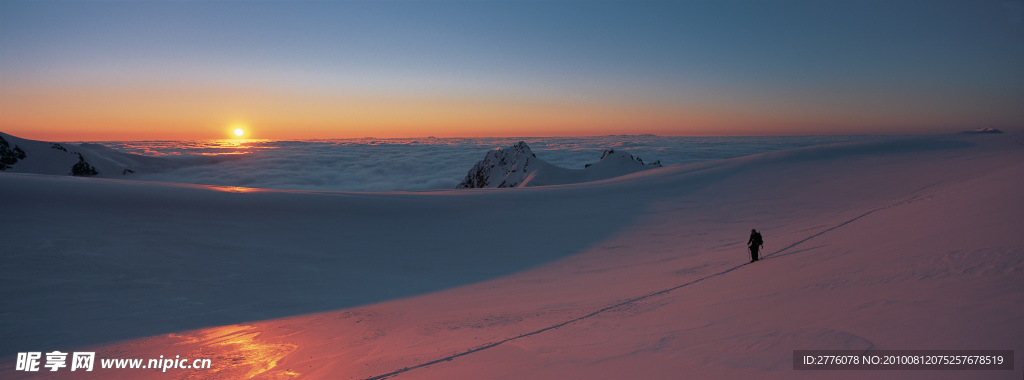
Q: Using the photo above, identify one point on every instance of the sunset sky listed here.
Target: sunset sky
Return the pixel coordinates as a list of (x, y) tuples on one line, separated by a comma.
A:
[(112, 70)]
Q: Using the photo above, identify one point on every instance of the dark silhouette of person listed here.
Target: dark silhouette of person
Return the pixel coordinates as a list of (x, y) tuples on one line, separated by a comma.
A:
[(754, 243)]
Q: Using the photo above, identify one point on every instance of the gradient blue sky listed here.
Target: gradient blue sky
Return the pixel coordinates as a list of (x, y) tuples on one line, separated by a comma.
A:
[(322, 69)]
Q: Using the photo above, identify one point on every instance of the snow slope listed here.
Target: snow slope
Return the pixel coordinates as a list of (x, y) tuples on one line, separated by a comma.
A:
[(85, 160), (910, 243)]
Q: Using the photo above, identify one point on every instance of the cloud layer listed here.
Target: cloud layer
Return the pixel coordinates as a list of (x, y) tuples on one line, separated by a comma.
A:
[(417, 164)]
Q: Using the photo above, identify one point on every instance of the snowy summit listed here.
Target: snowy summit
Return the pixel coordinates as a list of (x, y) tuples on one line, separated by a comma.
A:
[(518, 166)]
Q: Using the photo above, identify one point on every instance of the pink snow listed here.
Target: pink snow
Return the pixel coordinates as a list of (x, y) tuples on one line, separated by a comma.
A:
[(904, 243)]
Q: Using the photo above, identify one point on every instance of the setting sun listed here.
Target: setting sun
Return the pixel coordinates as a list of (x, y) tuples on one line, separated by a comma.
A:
[(239, 132)]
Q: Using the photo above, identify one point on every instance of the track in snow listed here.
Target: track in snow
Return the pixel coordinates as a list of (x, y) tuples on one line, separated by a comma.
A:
[(904, 200)]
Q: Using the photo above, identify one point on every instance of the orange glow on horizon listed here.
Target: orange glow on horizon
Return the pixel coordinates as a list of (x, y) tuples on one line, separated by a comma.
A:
[(202, 113)]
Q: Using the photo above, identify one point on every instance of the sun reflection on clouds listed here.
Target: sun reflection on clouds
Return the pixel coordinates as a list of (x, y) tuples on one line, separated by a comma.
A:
[(210, 147), (235, 189)]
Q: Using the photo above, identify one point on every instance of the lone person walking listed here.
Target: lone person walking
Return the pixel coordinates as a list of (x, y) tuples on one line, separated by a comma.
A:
[(754, 243)]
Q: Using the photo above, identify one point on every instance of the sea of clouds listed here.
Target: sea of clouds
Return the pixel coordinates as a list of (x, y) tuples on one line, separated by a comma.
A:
[(416, 164)]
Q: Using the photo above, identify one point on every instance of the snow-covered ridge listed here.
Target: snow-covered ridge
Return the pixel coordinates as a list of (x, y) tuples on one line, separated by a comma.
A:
[(518, 166), (20, 155)]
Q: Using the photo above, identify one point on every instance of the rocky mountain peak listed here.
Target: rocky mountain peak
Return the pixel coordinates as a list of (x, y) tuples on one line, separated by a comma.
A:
[(500, 168)]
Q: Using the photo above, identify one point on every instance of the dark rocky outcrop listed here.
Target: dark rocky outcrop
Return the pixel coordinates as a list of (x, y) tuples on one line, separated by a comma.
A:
[(9, 156), (82, 168)]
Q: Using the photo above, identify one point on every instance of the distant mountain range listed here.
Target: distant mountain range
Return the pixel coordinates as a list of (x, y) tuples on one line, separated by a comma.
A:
[(982, 131), (515, 166), (518, 166)]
